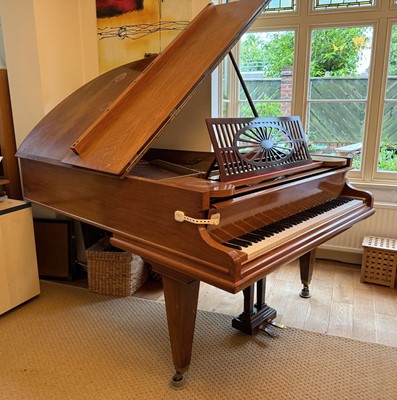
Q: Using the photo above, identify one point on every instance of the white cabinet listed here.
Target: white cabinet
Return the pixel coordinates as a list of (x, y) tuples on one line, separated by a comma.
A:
[(19, 278)]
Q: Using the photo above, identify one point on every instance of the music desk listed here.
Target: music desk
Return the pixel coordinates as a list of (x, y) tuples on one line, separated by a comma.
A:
[(19, 279)]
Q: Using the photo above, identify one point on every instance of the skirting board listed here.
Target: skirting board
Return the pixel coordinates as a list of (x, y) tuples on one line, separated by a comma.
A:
[(342, 254), (347, 247)]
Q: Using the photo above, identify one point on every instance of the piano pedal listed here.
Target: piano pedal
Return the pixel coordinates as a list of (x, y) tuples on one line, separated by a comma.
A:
[(268, 328), (277, 325)]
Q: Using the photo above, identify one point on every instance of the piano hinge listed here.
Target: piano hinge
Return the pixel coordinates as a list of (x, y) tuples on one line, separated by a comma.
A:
[(214, 220)]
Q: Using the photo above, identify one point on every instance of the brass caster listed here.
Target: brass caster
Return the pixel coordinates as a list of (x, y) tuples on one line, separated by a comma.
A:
[(178, 381)]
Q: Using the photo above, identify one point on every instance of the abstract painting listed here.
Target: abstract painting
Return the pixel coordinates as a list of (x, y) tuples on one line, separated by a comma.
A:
[(130, 29)]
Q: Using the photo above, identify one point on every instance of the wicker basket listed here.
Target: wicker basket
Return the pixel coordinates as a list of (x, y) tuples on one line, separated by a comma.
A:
[(379, 261), (117, 273)]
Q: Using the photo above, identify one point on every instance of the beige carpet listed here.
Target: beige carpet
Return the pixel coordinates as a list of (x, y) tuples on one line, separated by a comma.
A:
[(72, 344)]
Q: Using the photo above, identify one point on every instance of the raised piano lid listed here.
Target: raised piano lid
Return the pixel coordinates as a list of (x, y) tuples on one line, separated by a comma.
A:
[(108, 124)]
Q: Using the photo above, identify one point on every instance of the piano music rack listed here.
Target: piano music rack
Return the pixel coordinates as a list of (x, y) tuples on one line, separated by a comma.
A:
[(250, 147)]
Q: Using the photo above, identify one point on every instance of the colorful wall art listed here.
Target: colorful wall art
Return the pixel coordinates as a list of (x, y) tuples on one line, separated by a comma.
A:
[(130, 29)]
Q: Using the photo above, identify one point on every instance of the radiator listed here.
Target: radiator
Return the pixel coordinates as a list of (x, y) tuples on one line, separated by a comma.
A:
[(347, 246)]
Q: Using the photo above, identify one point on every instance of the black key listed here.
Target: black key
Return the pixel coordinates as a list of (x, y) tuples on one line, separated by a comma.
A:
[(251, 237), (233, 246), (262, 233), (240, 242), (265, 232)]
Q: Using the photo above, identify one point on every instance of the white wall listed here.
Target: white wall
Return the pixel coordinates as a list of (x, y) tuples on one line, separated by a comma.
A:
[(50, 50), (198, 5)]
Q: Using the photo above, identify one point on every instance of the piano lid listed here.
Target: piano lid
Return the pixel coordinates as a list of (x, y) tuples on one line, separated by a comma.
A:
[(109, 123)]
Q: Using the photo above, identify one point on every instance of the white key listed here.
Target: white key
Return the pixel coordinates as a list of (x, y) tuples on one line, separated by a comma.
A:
[(258, 248)]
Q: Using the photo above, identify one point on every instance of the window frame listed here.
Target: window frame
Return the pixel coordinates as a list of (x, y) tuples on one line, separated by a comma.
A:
[(235, 87), (358, 175), (281, 11), (383, 175), (365, 8), (303, 21)]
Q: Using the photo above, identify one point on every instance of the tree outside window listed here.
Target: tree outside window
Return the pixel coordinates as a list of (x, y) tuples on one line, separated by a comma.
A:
[(338, 81), (266, 62), (344, 97), (338, 90)]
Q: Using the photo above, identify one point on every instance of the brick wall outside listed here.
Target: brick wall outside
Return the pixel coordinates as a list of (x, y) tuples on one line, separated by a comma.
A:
[(286, 90)]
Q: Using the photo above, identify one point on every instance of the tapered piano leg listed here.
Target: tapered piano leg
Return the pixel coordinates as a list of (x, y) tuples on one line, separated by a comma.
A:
[(254, 316), (181, 306), (306, 263)]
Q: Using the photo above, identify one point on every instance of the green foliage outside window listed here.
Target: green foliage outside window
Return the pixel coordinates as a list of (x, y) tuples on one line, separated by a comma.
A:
[(271, 109), (387, 158), (337, 51), (393, 53), (269, 56)]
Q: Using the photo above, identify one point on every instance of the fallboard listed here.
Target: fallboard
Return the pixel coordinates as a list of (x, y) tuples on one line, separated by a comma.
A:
[(246, 213)]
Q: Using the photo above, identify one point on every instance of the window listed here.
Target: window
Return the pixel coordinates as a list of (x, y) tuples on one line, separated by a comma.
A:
[(280, 6), (338, 90), (319, 4), (388, 146), (342, 61), (268, 73)]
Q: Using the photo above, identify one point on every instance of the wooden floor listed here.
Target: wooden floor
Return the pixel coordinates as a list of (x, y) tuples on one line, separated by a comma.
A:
[(340, 305)]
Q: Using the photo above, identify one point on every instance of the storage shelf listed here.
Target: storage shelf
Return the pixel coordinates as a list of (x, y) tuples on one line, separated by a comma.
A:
[(19, 278)]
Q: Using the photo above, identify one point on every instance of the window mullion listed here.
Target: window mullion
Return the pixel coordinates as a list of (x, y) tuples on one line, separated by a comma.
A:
[(376, 95), (387, 26), (301, 73), (234, 87)]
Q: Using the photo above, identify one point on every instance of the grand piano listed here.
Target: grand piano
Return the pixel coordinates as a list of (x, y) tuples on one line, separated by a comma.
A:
[(227, 217)]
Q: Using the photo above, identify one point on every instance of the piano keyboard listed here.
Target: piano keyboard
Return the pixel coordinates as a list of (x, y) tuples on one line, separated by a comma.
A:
[(258, 241)]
